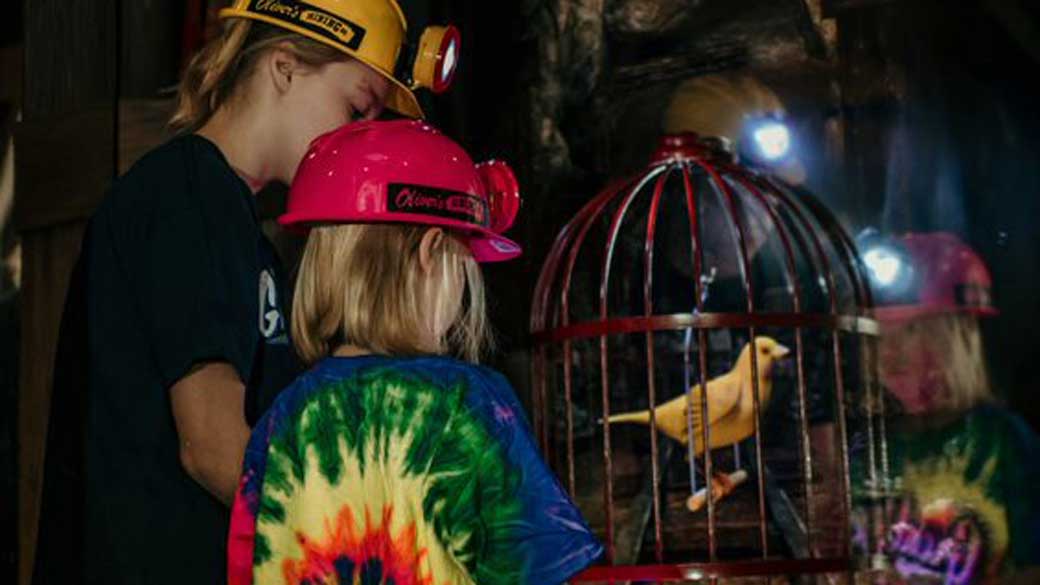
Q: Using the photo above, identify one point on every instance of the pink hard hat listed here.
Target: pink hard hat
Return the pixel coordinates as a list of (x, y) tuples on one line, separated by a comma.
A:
[(948, 276), (405, 171)]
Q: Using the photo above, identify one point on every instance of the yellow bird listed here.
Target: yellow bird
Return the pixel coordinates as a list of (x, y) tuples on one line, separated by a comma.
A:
[(730, 404)]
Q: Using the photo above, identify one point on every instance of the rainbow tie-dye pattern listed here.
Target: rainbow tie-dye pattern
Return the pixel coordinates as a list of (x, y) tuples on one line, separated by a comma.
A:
[(967, 510), (421, 471)]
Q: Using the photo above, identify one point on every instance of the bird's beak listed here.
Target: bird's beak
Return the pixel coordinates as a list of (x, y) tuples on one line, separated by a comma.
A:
[(781, 351)]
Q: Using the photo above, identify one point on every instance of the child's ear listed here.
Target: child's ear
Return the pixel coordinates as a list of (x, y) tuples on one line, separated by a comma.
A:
[(431, 240)]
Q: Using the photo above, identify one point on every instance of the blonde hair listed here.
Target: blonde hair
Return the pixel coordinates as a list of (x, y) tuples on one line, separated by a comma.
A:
[(361, 284), (966, 375), (957, 338), (215, 73)]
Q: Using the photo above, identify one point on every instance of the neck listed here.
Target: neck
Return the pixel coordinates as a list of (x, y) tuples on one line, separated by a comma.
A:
[(349, 350), (247, 140), (925, 421)]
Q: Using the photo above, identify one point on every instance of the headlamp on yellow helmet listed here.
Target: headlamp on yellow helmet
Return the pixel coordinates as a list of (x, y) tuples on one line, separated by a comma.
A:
[(373, 32), (765, 140), (434, 61)]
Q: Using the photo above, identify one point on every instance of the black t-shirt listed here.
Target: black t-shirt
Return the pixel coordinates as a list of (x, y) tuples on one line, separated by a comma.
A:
[(174, 271)]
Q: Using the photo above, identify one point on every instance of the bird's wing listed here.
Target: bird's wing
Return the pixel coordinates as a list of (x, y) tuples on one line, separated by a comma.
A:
[(723, 396)]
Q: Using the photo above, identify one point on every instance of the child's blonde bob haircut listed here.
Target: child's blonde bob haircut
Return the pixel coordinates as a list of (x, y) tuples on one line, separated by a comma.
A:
[(363, 285)]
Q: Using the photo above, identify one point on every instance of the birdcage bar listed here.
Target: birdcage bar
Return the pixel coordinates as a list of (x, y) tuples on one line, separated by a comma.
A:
[(702, 357), (795, 290), (608, 493), (608, 455), (569, 407), (839, 381), (719, 320), (833, 229), (865, 300), (651, 386), (749, 293), (824, 265), (878, 445), (576, 230), (538, 388), (564, 317)]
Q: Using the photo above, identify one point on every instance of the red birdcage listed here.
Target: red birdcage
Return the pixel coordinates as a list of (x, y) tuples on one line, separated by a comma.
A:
[(654, 289)]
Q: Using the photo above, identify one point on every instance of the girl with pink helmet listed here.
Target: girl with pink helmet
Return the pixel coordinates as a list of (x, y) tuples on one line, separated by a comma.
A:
[(388, 461)]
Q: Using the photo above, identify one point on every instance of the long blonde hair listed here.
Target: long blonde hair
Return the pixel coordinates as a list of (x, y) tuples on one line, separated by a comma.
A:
[(214, 74), (964, 375), (362, 285)]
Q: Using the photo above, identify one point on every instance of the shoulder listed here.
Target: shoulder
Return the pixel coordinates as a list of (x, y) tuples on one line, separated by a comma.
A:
[(480, 382), (488, 395), (333, 374), (997, 421), (181, 196), (172, 175), (994, 435), (436, 370), (448, 377)]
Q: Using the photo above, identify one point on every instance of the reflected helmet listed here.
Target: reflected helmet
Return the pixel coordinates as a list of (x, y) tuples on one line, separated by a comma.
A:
[(743, 112), (922, 274)]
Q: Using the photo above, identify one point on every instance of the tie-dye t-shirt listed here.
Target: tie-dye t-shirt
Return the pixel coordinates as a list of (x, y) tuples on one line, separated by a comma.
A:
[(967, 510), (376, 470)]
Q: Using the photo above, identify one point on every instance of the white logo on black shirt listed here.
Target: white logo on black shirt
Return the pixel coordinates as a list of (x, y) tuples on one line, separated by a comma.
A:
[(272, 325)]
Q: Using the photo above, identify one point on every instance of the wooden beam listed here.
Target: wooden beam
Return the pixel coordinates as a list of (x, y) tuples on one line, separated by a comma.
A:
[(11, 66), (831, 8), (48, 255), (64, 165), (142, 127), (66, 160), (807, 24)]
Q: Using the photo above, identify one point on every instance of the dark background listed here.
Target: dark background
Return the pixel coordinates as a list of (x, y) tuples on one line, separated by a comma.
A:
[(912, 115)]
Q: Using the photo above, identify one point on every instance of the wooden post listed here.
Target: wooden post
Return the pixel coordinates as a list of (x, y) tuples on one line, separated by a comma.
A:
[(66, 159)]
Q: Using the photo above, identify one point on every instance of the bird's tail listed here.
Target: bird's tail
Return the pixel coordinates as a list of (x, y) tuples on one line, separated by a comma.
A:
[(641, 417)]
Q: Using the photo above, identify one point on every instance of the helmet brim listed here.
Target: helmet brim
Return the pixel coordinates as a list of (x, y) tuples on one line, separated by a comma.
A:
[(401, 98), (490, 247), (486, 245), (902, 314)]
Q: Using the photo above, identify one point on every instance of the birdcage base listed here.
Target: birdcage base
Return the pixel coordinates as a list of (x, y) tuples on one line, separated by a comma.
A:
[(720, 570)]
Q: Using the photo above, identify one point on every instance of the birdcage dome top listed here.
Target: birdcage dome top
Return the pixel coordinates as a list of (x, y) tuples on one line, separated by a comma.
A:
[(696, 239)]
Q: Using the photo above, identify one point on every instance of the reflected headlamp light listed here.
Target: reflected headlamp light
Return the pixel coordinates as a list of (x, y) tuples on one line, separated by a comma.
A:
[(766, 140), (889, 269), (773, 140)]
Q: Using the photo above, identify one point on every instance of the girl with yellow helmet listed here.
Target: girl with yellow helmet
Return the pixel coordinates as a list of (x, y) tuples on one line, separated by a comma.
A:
[(178, 295)]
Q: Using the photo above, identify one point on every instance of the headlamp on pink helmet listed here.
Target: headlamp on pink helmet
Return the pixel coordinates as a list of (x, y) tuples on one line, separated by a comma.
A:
[(405, 171), (922, 274)]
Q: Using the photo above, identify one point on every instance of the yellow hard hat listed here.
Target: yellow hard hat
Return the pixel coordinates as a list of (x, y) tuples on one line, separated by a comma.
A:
[(727, 105), (371, 31), (719, 105)]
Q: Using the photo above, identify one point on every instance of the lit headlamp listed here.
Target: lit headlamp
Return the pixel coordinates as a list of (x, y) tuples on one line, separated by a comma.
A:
[(373, 32), (766, 140), (433, 62), (889, 268)]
